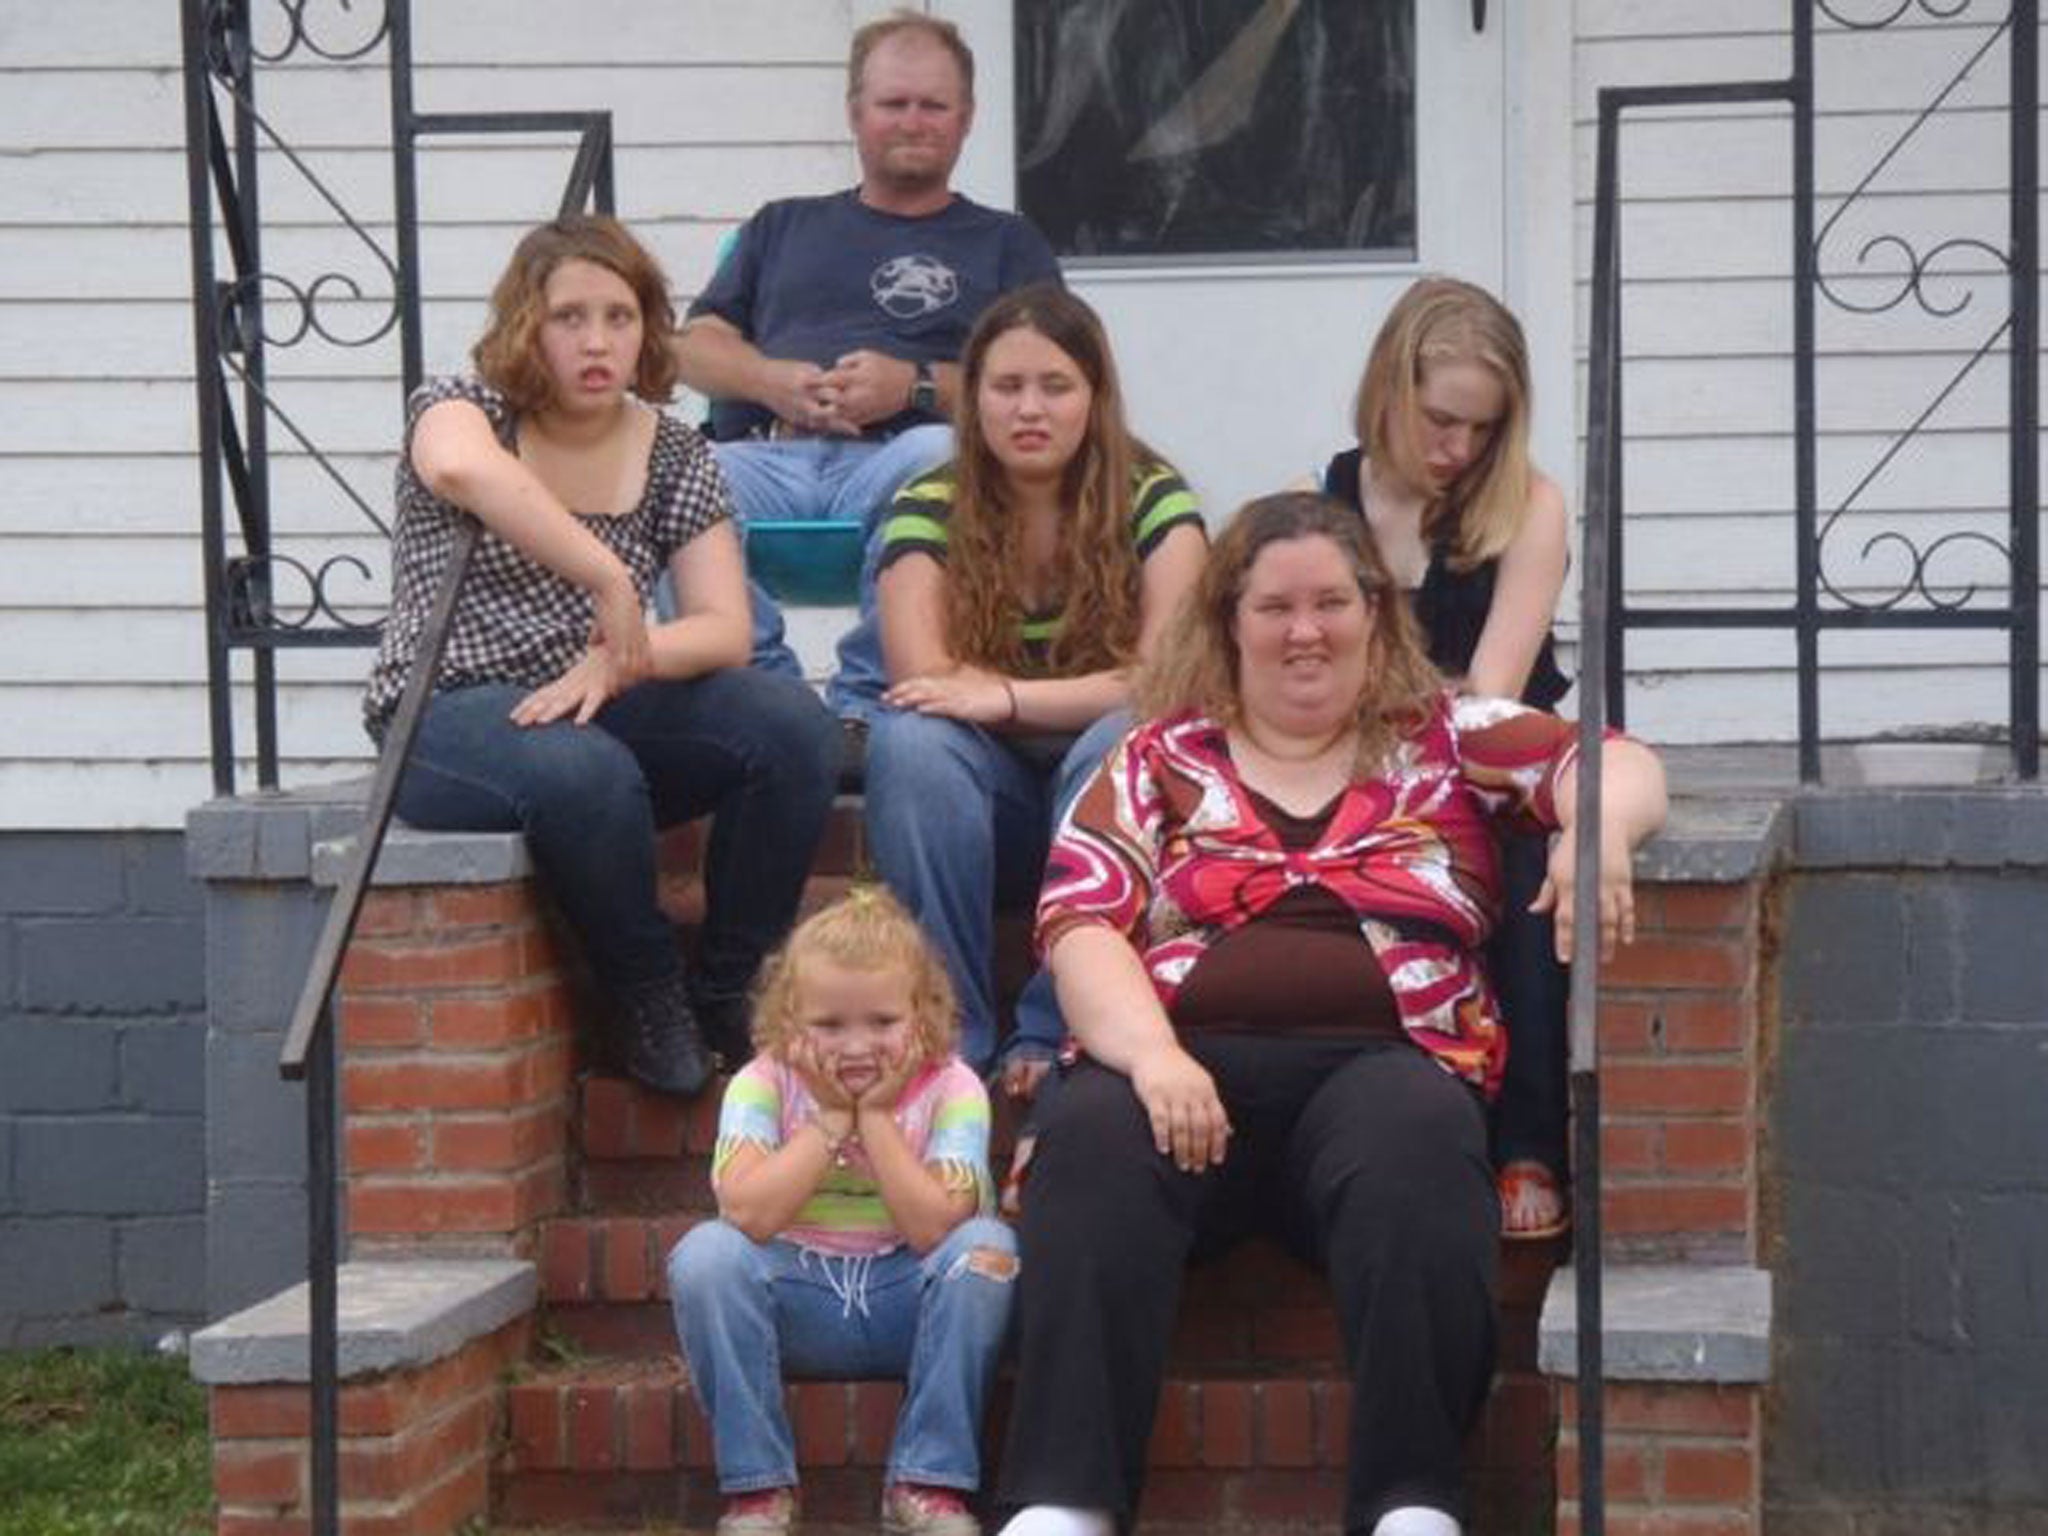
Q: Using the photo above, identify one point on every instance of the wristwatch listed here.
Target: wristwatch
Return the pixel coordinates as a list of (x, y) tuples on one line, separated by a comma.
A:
[(924, 391)]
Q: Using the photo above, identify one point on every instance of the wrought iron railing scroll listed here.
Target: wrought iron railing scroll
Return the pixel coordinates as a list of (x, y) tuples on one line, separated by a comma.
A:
[(234, 323), (1848, 577)]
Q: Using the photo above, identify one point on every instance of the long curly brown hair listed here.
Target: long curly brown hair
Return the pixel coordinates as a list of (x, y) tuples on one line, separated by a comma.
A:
[(1096, 569), (1196, 666)]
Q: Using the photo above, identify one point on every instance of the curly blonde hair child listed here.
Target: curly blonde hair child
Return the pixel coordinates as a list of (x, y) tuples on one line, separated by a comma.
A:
[(865, 930)]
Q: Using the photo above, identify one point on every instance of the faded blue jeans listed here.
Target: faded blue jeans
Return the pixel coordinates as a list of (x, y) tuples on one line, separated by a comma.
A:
[(958, 821), (840, 479), (759, 753), (749, 1314)]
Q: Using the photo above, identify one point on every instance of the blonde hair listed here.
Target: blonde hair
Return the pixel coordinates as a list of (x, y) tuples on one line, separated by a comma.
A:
[(1442, 320), (1196, 665), (865, 930), (1097, 570)]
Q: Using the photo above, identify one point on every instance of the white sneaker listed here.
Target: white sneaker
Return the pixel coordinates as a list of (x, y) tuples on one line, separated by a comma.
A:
[(1057, 1520), (1416, 1520)]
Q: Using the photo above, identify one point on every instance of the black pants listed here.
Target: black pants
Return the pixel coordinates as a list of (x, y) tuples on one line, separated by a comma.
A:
[(1367, 1160), (1530, 1118)]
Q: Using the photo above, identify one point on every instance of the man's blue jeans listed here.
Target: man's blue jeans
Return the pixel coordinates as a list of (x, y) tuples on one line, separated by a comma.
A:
[(759, 753), (804, 478), (958, 823), (749, 1314)]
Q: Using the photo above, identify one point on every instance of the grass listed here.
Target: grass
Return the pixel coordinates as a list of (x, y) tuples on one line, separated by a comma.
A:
[(97, 1442)]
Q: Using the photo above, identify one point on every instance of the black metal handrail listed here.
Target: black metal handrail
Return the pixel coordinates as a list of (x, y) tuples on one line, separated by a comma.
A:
[(1807, 616), (226, 320), (1600, 661)]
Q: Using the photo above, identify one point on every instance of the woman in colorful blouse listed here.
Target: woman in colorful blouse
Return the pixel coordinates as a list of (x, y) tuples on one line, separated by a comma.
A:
[(557, 711), (1264, 916), (1018, 586)]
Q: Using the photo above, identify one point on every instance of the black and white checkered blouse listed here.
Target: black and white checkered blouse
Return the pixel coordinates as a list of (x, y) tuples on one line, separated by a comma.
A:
[(517, 621)]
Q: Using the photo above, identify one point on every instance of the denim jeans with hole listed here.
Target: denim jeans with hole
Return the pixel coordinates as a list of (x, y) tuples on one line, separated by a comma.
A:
[(958, 823), (750, 1314), (758, 753)]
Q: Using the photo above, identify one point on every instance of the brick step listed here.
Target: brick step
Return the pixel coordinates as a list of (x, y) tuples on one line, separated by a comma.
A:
[(602, 1443), (604, 1287)]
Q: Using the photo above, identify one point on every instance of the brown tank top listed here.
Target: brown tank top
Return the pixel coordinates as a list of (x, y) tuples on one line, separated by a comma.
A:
[(1301, 967)]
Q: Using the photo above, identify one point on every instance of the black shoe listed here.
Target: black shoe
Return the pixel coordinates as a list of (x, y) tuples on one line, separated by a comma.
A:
[(727, 1026), (659, 1044)]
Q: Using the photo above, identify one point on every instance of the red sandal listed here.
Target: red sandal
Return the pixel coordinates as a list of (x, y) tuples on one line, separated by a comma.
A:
[(1532, 1205)]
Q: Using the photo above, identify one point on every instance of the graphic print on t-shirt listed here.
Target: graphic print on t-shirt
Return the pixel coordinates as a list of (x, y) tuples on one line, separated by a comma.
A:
[(911, 286)]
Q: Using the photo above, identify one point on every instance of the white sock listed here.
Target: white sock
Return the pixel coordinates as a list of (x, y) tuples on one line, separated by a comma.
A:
[(1415, 1520), (1058, 1520)]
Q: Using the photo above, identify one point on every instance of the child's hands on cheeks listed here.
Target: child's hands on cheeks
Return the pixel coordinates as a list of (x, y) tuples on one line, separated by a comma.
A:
[(898, 1068), (820, 1073)]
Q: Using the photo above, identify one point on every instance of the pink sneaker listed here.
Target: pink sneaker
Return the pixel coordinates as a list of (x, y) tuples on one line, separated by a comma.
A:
[(918, 1509), (766, 1512)]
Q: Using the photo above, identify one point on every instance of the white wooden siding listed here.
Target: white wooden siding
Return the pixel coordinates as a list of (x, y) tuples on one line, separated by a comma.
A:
[(1707, 319), (102, 667), (718, 105)]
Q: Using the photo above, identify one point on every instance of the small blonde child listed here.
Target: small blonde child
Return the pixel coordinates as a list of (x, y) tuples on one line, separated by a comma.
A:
[(854, 1235)]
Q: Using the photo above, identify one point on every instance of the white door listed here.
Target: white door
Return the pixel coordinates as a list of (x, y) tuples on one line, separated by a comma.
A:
[(1243, 373)]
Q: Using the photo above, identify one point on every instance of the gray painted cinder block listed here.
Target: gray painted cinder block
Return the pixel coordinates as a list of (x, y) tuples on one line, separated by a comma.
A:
[(1849, 962), (2003, 1240), (259, 940), (391, 1316), (1933, 995), (269, 837), (10, 970), (113, 964), (56, 872), (108, 1165), (264, 1134), (117, 1328), (160, 1264), (255, 1242), (7, 1206), (2003, 921), (157, 881), (54, 1268), (1910, 1146), (162, 1065), (1842, 1230), (2016, 1424), (58, 1066), (1987, 827)]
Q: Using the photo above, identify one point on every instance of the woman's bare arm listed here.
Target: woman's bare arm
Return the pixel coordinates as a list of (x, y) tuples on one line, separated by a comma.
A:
[(1525, 595)]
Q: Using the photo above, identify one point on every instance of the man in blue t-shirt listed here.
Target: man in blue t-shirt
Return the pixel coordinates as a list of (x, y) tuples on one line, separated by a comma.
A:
[(827, 338)]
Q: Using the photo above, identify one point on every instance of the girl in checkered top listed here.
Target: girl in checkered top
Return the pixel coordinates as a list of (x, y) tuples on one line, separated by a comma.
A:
[(557, 711)]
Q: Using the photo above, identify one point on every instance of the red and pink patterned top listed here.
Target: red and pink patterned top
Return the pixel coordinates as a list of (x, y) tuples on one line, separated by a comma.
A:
[(1166, 846)]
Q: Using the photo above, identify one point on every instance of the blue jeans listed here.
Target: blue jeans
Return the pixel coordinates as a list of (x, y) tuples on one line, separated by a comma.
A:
[(804, 478), (958, 822), (760, 754), (748, 1313)]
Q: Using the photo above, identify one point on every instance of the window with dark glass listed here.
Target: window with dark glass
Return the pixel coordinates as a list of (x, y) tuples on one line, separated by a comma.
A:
[(1218, 128)]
